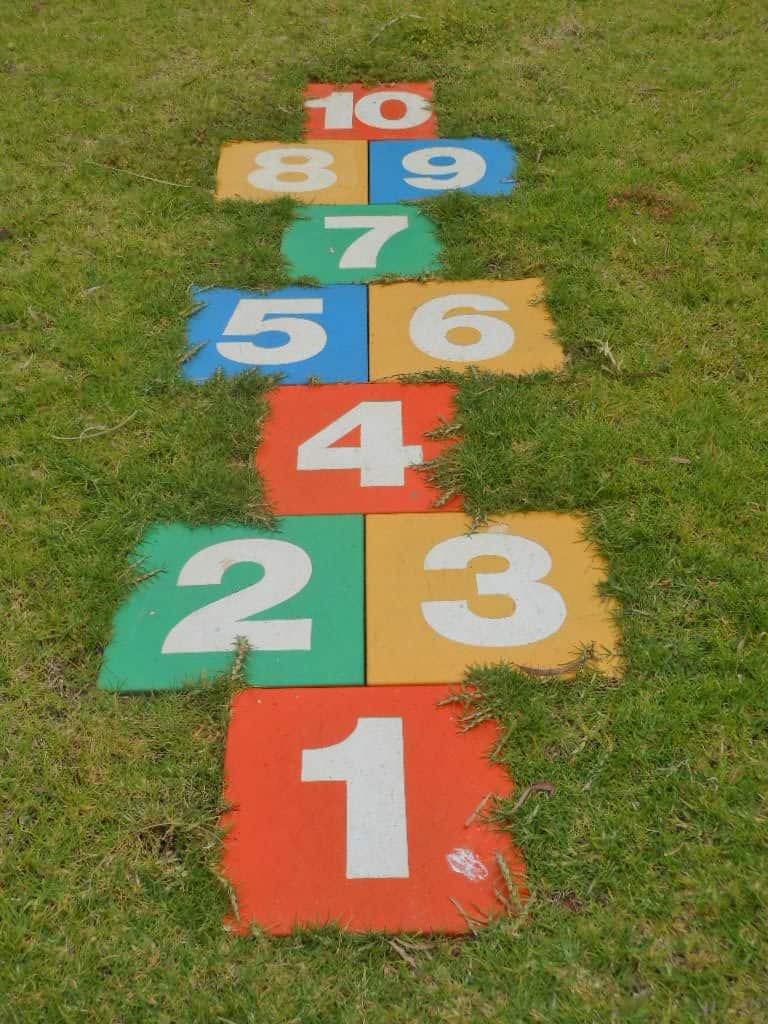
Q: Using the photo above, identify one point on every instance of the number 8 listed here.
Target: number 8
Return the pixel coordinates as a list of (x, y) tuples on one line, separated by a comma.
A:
[(275, 164)]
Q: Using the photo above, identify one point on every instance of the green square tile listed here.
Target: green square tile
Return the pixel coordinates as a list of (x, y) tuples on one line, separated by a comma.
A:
[(342, 244), (295, 593)]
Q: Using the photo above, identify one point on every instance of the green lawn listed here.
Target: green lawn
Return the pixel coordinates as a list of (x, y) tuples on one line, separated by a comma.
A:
[(642, 202)]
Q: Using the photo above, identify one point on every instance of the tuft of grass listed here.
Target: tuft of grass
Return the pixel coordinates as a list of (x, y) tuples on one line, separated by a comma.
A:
[(642, 203)]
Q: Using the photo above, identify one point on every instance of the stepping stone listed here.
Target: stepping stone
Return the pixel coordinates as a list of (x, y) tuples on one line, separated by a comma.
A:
[(417, 168), (352, 447), (522, 589), (360, 806), (502, 326), (360, 243), (303, 333), (295, 594), (324, 172), (396, 110)]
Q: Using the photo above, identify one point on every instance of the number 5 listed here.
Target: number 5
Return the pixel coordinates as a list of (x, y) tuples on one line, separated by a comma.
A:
[(539, 609), (306, 338), (364, 251)]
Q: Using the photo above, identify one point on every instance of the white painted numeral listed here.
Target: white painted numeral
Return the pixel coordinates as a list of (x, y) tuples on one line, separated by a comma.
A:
[(382, 458), (277, 170), (305, 337), (466, 167), (539, 609), (370, 761), (364, 251), (216, 626), (340, 109), (416, 109), (431, 324)]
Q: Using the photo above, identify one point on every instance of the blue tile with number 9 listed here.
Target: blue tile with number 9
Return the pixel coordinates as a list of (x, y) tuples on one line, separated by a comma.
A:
[(303, 333), (415, 168)]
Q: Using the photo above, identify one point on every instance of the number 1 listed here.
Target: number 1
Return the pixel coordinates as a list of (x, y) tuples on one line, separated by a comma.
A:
[(370, 761)]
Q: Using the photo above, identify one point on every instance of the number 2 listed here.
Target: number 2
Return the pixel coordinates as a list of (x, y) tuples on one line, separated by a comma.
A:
[(539, 609), (216, 626), (370, 761), (382, 458), (364, 251)]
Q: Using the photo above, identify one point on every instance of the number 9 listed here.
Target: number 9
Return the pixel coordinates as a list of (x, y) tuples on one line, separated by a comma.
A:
[(444, 167)]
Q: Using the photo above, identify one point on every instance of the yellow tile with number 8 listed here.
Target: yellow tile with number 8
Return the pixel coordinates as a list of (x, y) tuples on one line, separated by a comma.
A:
[(522, 589), (322, 172)]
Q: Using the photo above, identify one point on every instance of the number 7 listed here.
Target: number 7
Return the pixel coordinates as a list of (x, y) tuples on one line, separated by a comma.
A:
[(364, 251)]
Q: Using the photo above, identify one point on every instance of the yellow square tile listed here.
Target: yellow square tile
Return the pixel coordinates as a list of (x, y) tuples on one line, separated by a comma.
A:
[(522, 589), (502, 326), (317, 172)]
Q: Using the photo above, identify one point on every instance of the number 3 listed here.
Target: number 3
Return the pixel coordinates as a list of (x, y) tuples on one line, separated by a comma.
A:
[(539, 609)]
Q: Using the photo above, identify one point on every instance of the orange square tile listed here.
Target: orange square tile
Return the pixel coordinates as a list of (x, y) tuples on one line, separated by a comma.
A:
[(390, 110), (353, 447), (358, 808), (327, 171), (503, 326), (523, 589)]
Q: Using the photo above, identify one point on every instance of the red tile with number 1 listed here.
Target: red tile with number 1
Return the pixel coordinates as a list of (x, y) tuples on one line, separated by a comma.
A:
[(360, 806)]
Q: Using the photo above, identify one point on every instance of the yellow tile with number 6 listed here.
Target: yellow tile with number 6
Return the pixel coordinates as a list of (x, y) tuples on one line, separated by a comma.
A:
[(322, 172), (522, 589), (501, 326)]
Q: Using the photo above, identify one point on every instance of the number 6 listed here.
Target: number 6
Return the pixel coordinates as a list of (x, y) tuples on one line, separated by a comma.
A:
[(430, 325)]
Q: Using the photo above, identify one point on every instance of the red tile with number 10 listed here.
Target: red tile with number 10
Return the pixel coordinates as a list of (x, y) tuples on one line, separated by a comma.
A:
[(362, 806), (335, 448), (395, 110)]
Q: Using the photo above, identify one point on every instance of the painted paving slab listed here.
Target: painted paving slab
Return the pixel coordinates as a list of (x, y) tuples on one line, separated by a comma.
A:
[(360, 806), (295, 594), (302, 333), (353, 447), (394, 110), (418, 168), (522, 589), (500, 326), (337, 244)]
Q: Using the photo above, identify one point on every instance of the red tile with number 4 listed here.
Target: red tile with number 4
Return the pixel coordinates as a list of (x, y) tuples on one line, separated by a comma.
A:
[(395, 110), (353, 447), (364, 807)]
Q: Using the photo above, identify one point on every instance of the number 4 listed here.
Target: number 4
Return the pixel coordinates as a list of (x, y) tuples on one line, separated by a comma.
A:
[(381, 457)]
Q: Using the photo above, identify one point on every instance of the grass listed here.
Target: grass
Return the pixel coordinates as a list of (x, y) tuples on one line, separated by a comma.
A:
[(642, 203)]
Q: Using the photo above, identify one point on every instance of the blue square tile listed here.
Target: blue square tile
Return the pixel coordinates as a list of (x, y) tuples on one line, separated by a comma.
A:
[(300, 332), (406, 169)]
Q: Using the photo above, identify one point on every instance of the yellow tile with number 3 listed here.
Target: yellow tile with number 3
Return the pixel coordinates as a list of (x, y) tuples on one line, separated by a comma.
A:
[(521, 589), (502, 326), (322, 172)]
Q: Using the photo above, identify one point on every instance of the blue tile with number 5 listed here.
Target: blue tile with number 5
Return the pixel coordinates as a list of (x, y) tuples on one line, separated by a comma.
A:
[(415, 168), (300, 332)]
